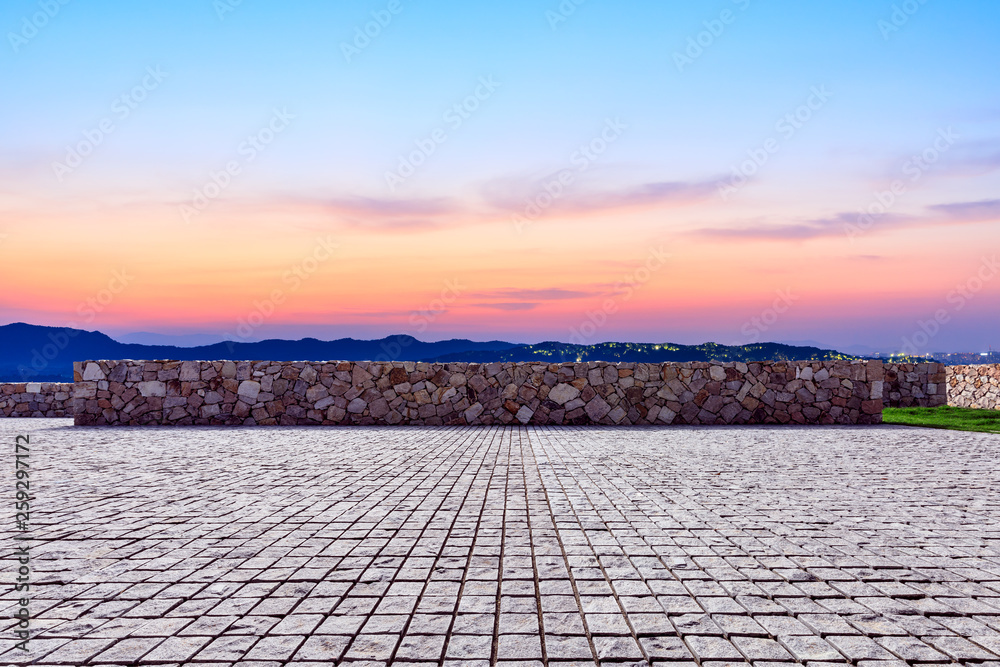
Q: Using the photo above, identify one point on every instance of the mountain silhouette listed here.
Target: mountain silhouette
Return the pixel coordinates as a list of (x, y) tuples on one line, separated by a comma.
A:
[(46, 354), (30, 352)]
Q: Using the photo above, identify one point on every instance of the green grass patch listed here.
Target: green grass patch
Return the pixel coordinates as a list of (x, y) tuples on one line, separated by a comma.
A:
[(956, 419)]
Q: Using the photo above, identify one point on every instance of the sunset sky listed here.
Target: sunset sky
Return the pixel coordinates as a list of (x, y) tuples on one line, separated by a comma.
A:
[(666, 171)]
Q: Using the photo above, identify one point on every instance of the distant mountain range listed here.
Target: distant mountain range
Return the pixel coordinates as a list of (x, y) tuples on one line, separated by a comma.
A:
[(31, 352), (36, 353)]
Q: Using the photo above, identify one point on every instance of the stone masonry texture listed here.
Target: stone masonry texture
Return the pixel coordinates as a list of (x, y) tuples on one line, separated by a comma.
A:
[(974, 386), (36, 399), (903, 385), (916, 385), (522, 546), (366, 393)]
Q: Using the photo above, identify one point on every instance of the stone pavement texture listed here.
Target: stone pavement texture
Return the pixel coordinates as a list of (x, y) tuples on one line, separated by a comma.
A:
[(510, 545)]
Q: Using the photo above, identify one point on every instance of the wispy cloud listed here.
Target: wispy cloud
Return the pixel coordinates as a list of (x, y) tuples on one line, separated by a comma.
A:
[(512, 195), (509, 305), (976, 211), (647, 194), (495, 202), (513, 299), (380, 213), (935, 215), (548, 294), (972, 158), (381, 207)]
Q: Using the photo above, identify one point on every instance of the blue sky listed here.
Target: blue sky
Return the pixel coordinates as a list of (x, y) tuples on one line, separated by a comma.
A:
[(226, 68)]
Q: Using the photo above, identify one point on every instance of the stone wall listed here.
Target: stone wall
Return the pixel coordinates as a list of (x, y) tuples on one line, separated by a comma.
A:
[(344, 392), (915, 385), (690, 393), (36, 399), (974, 386)]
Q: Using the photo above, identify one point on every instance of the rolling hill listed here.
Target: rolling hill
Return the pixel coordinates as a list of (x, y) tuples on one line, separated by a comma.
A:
[(36, 353)]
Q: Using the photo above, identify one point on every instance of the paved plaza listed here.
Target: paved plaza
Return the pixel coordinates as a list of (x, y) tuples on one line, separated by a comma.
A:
[(518, 546)]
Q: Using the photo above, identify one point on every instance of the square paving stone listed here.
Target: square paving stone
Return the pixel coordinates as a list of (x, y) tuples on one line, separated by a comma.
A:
[(322, 648), (384, 546), (470, 647), (520, 647)]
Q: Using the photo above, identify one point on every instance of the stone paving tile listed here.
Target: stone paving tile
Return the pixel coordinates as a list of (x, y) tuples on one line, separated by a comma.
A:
[(467, 547)]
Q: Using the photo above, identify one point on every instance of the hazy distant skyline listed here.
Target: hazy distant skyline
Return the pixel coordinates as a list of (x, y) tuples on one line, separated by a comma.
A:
[(648, 172), (196, 340)]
